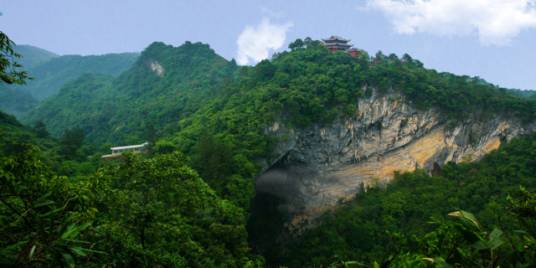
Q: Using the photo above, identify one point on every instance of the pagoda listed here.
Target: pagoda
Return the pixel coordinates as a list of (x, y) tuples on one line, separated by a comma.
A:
[(336, 43)]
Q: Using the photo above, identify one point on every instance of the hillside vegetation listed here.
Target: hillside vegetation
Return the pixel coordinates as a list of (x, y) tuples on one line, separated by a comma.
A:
[(186, 203), (140, 103), (33, 56), (50, 76), (307, 85), (408, 219), (190, 99), (15, 102), (49, 72)]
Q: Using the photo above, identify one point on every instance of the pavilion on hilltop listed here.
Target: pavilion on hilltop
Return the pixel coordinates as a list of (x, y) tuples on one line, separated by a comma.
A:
[(336, 43)]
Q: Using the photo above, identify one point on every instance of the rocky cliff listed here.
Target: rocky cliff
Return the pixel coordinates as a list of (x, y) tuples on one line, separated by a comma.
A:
[(318, 167)]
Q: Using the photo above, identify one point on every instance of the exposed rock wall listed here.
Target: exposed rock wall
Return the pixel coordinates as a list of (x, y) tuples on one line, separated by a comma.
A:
[(318, 167)]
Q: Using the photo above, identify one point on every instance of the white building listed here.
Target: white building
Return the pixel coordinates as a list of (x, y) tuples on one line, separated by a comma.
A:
[(120, 150)]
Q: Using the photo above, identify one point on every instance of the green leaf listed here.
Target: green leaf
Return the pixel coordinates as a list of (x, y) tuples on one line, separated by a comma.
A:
[(350, 264), (45, 203), (69, 260), (466, 216), (79, 251), (72, 231), (495, 238), (32, 251)]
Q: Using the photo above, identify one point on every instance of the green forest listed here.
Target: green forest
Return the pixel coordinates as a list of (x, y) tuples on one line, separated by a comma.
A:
[(190, 201), (48, 73)]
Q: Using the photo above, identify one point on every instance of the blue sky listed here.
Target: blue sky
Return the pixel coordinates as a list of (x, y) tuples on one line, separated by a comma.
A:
[(493, 39)]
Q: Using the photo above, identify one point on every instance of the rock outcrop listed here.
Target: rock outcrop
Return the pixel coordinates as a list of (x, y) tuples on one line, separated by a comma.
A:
[(318, 167)]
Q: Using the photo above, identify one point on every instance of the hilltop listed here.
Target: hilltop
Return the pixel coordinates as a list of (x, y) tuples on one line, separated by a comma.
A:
[(32, 56), (164, 84)]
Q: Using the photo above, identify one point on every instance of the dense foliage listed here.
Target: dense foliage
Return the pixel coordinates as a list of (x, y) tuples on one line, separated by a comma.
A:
[(457, 96), (408, 218), (186, 202), (124, 109), (58, 119), (12, 131), (139, 212), (10, 67)]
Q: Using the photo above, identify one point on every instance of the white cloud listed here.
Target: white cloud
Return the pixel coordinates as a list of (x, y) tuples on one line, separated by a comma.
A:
[(496, 22), (255, 43)]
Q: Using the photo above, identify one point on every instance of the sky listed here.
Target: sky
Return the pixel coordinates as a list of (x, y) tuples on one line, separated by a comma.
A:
[(492, 39)]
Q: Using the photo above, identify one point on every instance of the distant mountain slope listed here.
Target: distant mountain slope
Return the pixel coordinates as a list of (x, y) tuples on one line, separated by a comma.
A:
[(33, 56), (12, 132), (49, 72), (165, 83), (15, 102), (90, 94), (49, 77), (12, 99)]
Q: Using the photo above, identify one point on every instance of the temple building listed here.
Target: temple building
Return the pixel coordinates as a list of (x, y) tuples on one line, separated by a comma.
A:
[(336, 43), (120, 150), (354, 52)]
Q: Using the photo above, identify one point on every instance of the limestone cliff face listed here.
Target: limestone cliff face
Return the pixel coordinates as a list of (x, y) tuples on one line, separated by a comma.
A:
[(318, 167)]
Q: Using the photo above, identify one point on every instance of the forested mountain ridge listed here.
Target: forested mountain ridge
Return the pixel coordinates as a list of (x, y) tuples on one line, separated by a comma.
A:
[(163, 71), (251, 117), (15, 101), (164, 84), (49, 72), (282, 131), (33, 56), (51, 75)]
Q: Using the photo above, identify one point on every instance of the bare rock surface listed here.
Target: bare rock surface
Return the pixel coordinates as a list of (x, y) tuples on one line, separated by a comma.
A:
[(317, 167)]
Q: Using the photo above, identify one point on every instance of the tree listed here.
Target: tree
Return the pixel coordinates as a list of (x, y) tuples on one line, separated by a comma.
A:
[(10, 72), (265, 70), (40, 129), (296, 44), (158, 212), (150, 133), (71, 141), (42, 216), (214, 159)]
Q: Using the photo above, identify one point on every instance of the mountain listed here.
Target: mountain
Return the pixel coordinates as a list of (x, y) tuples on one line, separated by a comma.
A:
[(15, 102), (13, 132), (315, 158), (308, 113), (33, 56), (50, 76), (334, 162), (165, 84), (49, 72)]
